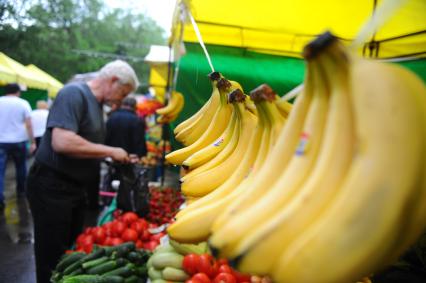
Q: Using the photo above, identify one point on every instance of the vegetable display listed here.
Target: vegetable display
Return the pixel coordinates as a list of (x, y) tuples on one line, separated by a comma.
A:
[(123, 263)]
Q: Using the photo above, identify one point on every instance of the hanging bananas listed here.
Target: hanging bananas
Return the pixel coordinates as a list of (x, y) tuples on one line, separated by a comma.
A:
[(171, 111)]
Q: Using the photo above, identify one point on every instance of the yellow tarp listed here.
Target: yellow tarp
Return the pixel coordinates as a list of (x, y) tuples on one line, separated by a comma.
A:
[(22, 76), (284, 26), (53, 84)]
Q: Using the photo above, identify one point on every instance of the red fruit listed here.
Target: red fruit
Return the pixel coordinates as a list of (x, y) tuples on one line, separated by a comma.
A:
[(224, 278), (99, 235), (144, 223), (145, 236), (129, 235), (139, 244), (207, 265), (241, 277), (108, 241), (116, 241), (151, 245), (224, 268), (116, 213), (118, 227), (201, 277), (137, 226), (129, 217), (190, 263), (157, 236)]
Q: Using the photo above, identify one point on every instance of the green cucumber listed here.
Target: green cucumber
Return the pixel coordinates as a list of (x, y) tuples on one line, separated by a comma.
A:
[(107, 266), (89, 264), (112, 279), (125, 271), (132, 279), (94, 255), (68, 260), (121, 249)]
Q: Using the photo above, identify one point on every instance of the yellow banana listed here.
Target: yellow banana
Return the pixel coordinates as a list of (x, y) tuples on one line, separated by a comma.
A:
[(217, 126), (276, 192), (175, 102), (209, 152), (377, 190), (241, 172), (289, 220), (207, 181), (284, 106), (195, 224)]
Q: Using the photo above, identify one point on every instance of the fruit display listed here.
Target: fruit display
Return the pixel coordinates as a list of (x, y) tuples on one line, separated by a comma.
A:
[(164, 203), (332, 187), (170, 112), (124, 228), (119, 264)]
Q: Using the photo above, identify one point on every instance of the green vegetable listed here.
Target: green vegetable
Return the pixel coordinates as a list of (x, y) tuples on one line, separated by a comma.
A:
[(106, 266), (125, 271), (76, 265), (174, 274), (121, 249), (69, 259), (94, 255), (132, 279), (165, 259), (154, 273), (134, 257), (89, 264), (82, 279)]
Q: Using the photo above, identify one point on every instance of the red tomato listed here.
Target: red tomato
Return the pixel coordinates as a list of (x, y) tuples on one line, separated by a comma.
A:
[(139, 244), (157, 236), (99, 235), (224, 278), (129, 235), (116, 241), (151, 245), (224, 268), (207, 265), (108, 241), (145, 236), (144, 223), (118, 227), (201, 277), (116, 213), (192, 281), (222, 261), (129, 217), (137, 226), (190, 263), (241, 277)]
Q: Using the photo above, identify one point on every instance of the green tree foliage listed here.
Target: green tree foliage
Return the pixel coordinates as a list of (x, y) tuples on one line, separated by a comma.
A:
[(67, 37)]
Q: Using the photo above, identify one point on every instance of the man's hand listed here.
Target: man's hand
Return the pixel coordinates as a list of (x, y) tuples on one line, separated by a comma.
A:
[(120, 155)]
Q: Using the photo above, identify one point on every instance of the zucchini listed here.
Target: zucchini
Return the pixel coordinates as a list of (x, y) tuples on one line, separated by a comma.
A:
[(94, 255), (94, 262), (112, 279), (74, 266), (78, 271), (125, 271), (121, 249), (165, 259), (142, 270), (82, 279), (132, 279), (68, 260), (154, 274), (107, 266), (134, 257)]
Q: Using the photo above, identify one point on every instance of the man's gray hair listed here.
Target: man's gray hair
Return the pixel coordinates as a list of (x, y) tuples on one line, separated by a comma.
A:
[(122, 70)]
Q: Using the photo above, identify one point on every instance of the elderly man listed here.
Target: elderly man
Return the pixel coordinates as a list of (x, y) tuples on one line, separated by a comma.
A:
[(67, 159)]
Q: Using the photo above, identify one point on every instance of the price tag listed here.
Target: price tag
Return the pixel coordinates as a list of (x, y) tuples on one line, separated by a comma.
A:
[(164, 240)]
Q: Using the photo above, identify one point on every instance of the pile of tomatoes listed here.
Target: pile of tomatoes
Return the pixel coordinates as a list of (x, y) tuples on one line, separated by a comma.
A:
[(124, 228), (205, 268), (164, 203)]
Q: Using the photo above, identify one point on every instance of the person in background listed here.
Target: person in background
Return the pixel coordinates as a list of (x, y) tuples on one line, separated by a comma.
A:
[(39, 120), (125, 129), (15, 131), (69, 155)]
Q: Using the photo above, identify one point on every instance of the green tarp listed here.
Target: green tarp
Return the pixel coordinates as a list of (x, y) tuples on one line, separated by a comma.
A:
[(250, 69)]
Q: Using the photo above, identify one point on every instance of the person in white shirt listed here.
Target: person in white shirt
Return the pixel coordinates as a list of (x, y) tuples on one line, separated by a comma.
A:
[(16, 130), (39, 120)]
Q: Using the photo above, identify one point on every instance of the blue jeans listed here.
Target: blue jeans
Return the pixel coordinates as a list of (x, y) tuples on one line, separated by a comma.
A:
[(18, 152)]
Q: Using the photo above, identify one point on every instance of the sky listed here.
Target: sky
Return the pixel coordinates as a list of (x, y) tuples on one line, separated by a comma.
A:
[(160, 11)]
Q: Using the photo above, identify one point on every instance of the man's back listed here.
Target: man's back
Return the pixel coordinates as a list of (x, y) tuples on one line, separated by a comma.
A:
[(13, 112), (126, 130)]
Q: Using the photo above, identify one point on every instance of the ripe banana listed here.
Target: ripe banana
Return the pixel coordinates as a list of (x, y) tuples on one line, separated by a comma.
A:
[(217, 126), (270, 194), (207, 181), (240, 174), (283, 227), (193, 224), (193, 132), (209, 152), (191, 121), (376, 195)]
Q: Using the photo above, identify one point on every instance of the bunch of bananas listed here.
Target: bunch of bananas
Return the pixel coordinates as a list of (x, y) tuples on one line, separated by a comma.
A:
[(348, 197), (170, 112), (328, 192)]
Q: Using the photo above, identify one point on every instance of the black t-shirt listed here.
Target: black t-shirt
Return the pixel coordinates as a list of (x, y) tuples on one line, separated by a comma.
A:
[(126, 130), (76, 109)]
